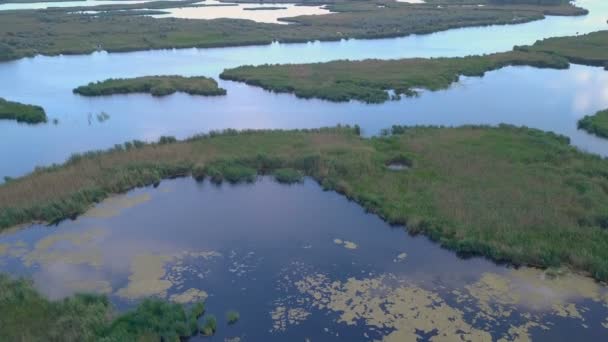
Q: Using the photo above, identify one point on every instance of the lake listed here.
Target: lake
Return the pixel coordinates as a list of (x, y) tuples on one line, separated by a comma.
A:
[(297, 263)]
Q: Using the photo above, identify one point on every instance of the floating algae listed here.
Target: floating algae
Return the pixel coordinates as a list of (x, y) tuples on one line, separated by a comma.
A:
[(283, 317), (189, 296), (400, 257), (113, 206), (149, 276), (405, 309), (147, 271), (59, 248), (346, 244)]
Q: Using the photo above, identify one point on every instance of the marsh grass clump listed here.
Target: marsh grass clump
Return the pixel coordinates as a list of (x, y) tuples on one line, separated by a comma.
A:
[(154, 85), (595, 124), (288, 176), (231, 171), (210, 326), (28, 316), (232, 317), (30, 114)]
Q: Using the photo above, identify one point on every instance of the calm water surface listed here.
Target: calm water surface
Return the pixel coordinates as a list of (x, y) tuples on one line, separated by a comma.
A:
[(545, 99), (301, 263)]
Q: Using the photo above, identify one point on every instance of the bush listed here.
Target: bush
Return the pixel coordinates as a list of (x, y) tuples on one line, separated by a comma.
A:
[(210, 326), (232, 317), (288, 176)]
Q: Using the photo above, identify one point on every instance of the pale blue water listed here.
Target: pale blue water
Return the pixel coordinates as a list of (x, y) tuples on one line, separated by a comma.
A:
[(546, 99)]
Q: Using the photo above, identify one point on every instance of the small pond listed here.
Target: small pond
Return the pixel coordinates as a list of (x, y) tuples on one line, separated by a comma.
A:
[(298, 264)]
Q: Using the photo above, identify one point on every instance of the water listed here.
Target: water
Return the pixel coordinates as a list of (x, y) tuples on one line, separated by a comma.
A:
[(242, 11), (84, 3), (545, 99), (274, 260)]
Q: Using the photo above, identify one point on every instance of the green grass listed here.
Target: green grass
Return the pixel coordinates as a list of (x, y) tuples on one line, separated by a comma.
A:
[(210, 326), (55, 31), (232, 317), (288, 176), (595, 124), (369, 80), (28, 316), (155, 85), (589, 49), (510, 194), (21, 112)]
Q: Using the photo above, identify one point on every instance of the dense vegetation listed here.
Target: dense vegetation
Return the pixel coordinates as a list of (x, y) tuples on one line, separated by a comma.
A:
[(590, 49), (511, 194), (28, 316), (595, 124), (56, 31), (370, 80), (155, 85), (21, 112)]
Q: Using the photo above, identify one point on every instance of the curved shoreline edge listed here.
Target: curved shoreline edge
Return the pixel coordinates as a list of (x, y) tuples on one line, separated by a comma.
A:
[(511, 194)]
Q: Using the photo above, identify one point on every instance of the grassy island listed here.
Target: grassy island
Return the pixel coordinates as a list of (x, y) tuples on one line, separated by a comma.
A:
[(589, 49), (122, 28), (28, 316), (155, 85), (511, 194), (369, 80), (21, 112), (595, 124)]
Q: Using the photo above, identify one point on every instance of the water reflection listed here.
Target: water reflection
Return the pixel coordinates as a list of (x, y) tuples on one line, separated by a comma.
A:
[(264, 13), (83, 3), (318, 268)]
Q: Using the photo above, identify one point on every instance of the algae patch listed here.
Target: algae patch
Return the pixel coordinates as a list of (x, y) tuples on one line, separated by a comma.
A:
[(149, 276), (76, 248), (283, 317), (346, 244), (146, 276), (404, 309), (113, 206), (189, 296)]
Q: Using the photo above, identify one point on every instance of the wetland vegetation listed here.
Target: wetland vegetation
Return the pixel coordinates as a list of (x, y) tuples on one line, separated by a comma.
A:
[(64, 31), (28, 316), (20, 112), (155, 85), (510, 194), (595, 124), (589, 49), (371, 80)]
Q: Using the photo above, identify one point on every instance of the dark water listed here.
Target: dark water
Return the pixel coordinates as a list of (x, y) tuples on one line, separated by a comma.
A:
[(546, 99), (297, 263)]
